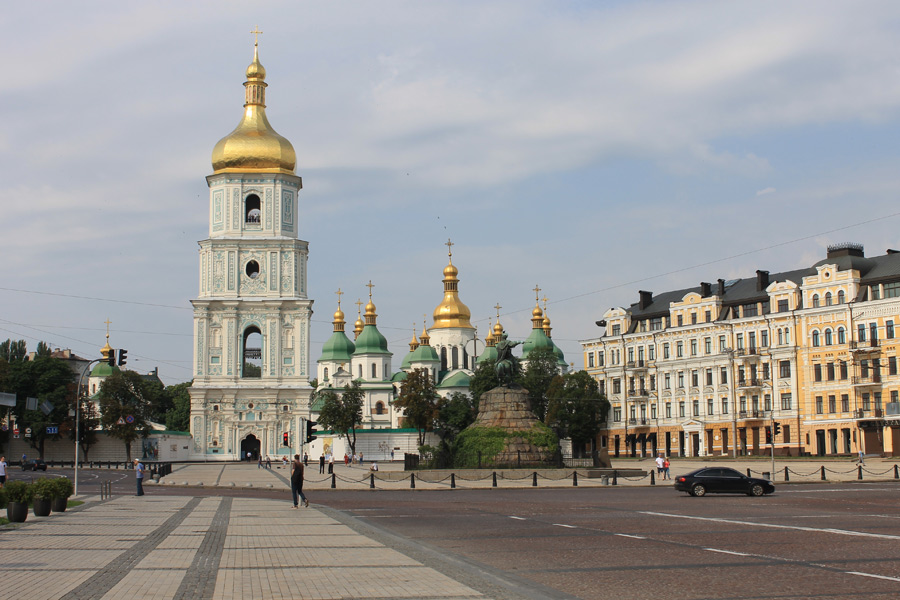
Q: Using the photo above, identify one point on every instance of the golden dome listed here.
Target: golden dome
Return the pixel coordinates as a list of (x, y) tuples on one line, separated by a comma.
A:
[(498, 330), (424, 339), (451, 312), (338, 315), (254, 146), (537, 312), (413, 343)]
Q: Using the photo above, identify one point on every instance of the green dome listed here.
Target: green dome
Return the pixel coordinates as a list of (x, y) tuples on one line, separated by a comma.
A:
[(560, 357), (370, 341), (458, 379), (103, 369), (490, 353), (424, 354), (399, 376), (338, 348), (537, 339)]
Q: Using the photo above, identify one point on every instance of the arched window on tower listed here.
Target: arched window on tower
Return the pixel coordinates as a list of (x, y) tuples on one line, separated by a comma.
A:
[(252, 353), (374, 371), (252, 211), (465, 359), (455, 355), (379, 408), (359, 370), (443, 359), (325, 374)]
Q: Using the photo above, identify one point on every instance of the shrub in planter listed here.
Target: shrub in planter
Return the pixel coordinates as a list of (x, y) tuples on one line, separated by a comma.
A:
[(18, 495), (62, 489), (41, 492)]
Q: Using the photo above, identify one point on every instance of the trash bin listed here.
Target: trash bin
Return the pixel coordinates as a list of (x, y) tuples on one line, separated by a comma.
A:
[(604, 480)]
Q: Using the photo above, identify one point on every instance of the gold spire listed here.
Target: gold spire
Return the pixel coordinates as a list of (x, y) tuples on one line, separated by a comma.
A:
[(413, 343), (498, 328), (107, 349), (358, 326), (489, 340), (370, 307), (546, 323), (425, 339), (338, 321), (254, 146), (537, 315), (451, 312)]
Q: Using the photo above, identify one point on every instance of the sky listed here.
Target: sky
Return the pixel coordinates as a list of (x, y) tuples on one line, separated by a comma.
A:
[(592, 149)]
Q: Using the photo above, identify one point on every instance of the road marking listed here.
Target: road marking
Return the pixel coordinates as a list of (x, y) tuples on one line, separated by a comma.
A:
[(872, 575), (564, 525), (882, 536), (636, 537), (518, 518), (727, 552), (832, 490)]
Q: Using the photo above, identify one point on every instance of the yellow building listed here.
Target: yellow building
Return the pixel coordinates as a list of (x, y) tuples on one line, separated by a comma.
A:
[(710, 370)]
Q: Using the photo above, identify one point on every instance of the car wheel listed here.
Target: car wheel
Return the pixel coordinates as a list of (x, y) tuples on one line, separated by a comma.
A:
[(698, 490), (756, 490)]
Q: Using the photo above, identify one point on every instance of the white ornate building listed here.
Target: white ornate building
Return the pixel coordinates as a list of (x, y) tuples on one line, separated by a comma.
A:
[(252, 315)]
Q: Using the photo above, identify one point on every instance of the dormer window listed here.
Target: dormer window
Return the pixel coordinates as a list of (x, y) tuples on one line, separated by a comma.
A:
[(252, 212)]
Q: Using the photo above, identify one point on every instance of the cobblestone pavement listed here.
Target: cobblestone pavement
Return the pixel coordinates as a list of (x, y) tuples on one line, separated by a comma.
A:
[(217, 548)]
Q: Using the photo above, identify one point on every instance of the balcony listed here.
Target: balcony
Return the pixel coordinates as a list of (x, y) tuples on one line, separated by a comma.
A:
[(639, 422), (638, 393), (636, 365), (863, 347), (753, 382), (752, 414), (867, 380), (749, 352)]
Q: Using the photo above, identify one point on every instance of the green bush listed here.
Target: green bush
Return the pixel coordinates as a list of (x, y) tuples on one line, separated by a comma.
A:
[(62, 488), (489, 442), (18, 491), (42, 488), (3, 498)]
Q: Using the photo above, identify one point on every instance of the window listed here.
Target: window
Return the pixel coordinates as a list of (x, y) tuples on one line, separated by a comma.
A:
[(693, 318), (359, 370), (841, 336), (651, 352), (845, 403), (617, 329), (892, 290), (696, 407), (724, 405), (707, 345), (815, 301), (892, 365), (375, 371), (780, 337), (681, 409), (843, 369), (828, 299), (840, 297), (668, 381), (641, 353), (325, 374), (693, 347), (876, 292), (787, 337), (785, 367), (590, 359), (783, 306), (681, 379), (832, 403), (861, 332), (742, 406), (668, 410), (617, 386), (865, 401), (666, 350), (864, 368), (617, 413), (695, 378), (889, 330), (786, 401), (767, 402), (830, 371), (251, 209), (740, 341), (819, 407), (817, 370), (679, 350), (379, 408), (765, 370), (749, 310), (723, 375), (601, 358), (764, 338), (873, 332), (709, 376), (815, 338), (656, 324), (708, 316), (709, 406), (827, 337), (722, 343), (653, 382), (680, 320)]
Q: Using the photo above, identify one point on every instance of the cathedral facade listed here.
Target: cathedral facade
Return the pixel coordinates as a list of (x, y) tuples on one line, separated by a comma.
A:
[(251, 388)]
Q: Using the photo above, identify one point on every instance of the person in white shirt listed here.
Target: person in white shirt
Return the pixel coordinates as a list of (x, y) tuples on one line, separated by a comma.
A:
[(659, 463), (374, 466), (2, 471)]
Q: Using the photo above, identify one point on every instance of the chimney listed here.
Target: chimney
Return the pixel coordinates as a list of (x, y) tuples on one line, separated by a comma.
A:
[(646, 299), (721, 287), (845, 249), (762, 280), (705, 289)]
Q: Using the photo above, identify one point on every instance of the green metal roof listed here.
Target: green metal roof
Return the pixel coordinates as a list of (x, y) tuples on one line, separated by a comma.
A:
[(458, 379), (399, 376), (103, 369), (338, 348), (490, 353), (370, 341), (424, 354), (537, 339)]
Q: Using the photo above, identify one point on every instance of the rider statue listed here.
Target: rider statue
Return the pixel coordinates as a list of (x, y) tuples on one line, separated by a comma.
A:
[(507, 364)]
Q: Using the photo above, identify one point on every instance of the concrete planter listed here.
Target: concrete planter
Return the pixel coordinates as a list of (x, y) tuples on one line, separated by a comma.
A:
[(17, 512)]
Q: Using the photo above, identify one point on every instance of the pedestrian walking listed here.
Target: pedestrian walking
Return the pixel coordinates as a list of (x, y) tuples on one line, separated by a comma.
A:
[(392, 455), (268, 462), (360, 458), (659, 464), (862, 458), (322, 464), (666, 468), (2, 471), (139, 476), (259, 462), (330, 464), (306, 459), (297, 482)]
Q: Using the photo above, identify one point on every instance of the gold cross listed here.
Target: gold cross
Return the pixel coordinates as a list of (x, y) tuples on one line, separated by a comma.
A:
[(256, 32), (545, 299), (449, 245), (370, 285), (498, 307), (358, 309), (339, 294), (537, 293)]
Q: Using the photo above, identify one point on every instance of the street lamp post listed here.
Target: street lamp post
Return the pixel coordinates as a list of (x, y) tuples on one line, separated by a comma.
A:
[(78, 415)]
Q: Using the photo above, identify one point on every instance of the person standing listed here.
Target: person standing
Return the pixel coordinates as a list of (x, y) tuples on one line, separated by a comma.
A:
[(139, 476), (297, 482), (268, 462), (659, 464), (322, 464), (862, 457), (2, 471), (330, 464), (306, 459), (666, 468), (259, 462)]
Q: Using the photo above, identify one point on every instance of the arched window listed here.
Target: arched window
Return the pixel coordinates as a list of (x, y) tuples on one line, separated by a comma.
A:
[(780, 337), (253, 344), (842, 336), (325, 374), (841, 297), (374, 371), (359, 370), (828, 299), (252, 269), (815, 301), (827, 337), (455, 354), (815, 338), (787, 337), (251, 209), (379, 408), (443, 359)]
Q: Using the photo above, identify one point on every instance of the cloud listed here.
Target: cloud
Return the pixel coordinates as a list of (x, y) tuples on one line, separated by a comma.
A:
[(764, 191)]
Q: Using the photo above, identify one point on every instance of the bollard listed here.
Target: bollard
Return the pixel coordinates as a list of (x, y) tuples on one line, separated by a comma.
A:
[(859, 472), (822, 468), (652, 478), (371, 481), (748, 471), (333, 485), (495, 480), (452, 481), (574, 478), (534, 479), (787, 477), (412, 481), (896, 472), (615, 478)]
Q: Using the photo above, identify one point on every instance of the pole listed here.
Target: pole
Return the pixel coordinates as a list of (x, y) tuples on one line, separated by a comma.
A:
[(772, 438), (78, 415)]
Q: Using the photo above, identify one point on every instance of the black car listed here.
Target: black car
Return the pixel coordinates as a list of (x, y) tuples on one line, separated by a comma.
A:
[(35, 464), (722, 480)]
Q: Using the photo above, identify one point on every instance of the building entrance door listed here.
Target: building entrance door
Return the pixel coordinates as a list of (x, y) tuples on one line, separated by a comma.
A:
[(252, 445), (820, 442)]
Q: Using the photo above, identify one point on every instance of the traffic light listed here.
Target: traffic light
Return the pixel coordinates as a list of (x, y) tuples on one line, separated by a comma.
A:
[(310, 431), (111, 357), (777, 428), (768, 435), (286, 439), (123, 357)]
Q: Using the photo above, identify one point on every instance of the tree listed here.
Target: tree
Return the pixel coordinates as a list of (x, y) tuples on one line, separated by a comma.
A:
[(43, 350), (483, 380), (418, 401), (125, 408), (454, 414), (88, 422), (178, 417), (542, 368), (50, 381), (13, 351), (576, 408), (159, 399), (342, 414)]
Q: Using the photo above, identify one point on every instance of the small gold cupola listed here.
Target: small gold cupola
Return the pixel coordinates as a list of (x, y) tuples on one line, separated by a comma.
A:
[(254, 146), (425, 339), (451, 312), (546, 323), (338, 321), (358, 326)]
